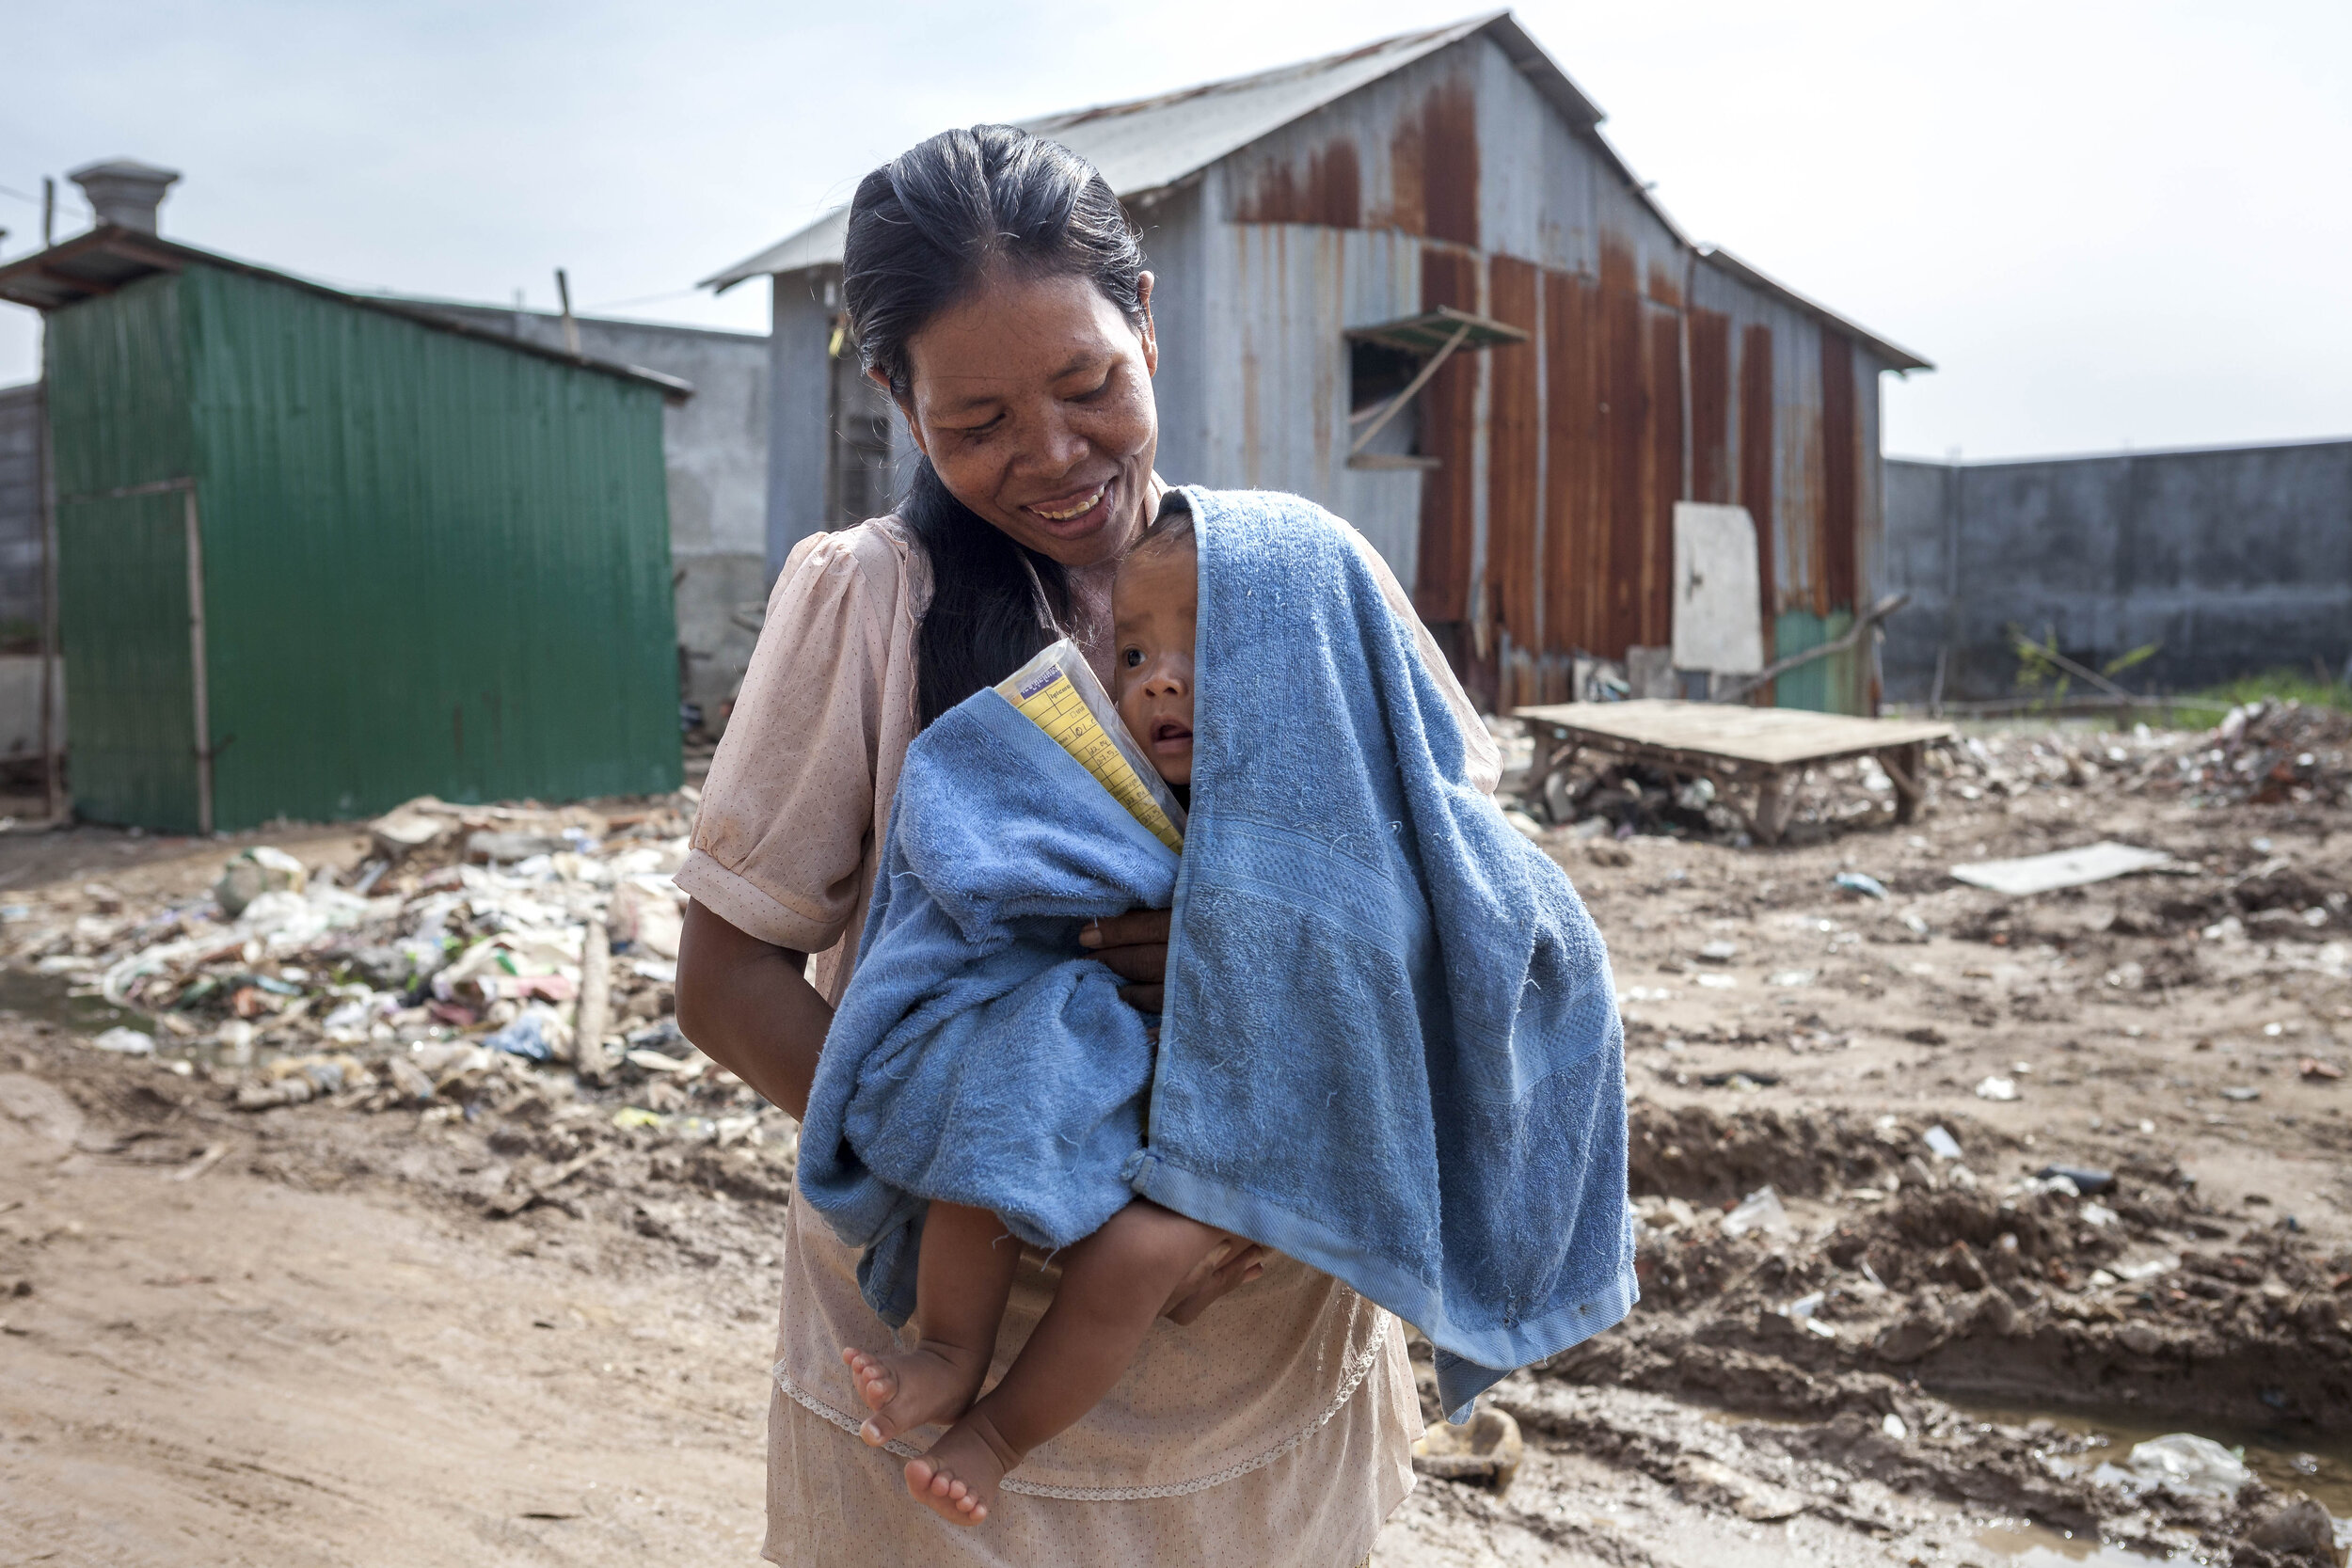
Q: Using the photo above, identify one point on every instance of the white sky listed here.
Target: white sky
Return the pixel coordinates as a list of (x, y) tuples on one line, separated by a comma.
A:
[(2107, 224)]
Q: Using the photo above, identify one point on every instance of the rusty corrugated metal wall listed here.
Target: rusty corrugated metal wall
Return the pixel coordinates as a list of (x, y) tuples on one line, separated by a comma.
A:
[(1651, 375)]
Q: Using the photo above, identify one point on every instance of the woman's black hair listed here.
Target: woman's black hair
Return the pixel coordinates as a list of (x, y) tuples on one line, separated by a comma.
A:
[(926, 228)]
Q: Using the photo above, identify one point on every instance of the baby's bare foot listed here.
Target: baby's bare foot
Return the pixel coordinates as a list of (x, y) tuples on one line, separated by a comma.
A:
[(958, 1479), (906, 1389)]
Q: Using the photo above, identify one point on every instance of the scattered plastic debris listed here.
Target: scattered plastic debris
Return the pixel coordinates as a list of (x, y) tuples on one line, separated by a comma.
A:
[(2062, 868), (2187, 1462), (448, 966), (1761, 1209), (124, 1041), (1997, 1088), (1860, 885), (2087, 1179)]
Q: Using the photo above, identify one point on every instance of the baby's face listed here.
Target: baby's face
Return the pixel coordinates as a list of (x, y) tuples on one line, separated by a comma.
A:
[(1156, 601)]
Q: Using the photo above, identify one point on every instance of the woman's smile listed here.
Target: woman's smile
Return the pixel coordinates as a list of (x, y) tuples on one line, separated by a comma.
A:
[(1075, 514)]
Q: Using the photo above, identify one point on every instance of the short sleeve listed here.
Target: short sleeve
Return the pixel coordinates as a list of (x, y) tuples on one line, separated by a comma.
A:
[(787, 821), (1482, 757)]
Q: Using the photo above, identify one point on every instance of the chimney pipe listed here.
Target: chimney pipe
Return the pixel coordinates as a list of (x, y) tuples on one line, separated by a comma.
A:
[(124, 191)]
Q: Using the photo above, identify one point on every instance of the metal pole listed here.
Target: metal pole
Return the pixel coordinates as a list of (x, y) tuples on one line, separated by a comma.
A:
[(196, 662), (50, 798), (571, 326), (48, 211)]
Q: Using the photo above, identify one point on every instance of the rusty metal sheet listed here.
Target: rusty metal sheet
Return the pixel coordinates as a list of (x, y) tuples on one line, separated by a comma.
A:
[(1449, 161), (1756, 463), (1625, 445), (1711, 407), (1575, 546), (1515, 453), (1329, 191), (1839, 554), (1661, 474), (1449, 432)]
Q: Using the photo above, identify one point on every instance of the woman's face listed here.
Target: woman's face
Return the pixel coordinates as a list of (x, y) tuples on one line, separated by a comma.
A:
[(1032, 397)]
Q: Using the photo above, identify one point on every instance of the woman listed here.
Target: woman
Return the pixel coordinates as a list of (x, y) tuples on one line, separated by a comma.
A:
[(995, 290)]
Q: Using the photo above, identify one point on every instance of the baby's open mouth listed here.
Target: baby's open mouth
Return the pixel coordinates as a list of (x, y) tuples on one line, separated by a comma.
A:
[(1168, 732)]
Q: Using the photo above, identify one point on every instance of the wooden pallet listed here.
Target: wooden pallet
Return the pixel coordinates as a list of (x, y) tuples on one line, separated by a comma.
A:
[(1766, 749)]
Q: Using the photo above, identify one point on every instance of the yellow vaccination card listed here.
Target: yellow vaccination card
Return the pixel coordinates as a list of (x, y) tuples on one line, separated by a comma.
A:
[(1058, 694)]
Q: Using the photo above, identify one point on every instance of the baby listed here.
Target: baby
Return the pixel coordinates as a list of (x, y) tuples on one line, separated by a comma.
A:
[(1116, 1281)]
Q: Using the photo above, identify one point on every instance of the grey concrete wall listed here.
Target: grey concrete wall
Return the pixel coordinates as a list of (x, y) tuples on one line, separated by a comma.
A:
[(2233, 560), (20, 511), (799, 410), (715, 446)]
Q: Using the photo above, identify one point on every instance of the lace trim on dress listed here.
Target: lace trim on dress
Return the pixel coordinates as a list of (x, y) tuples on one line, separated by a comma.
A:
[(1357, 1371)]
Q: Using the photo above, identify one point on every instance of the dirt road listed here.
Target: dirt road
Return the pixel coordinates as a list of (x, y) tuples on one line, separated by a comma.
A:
[(324, 1345), (233, 1369)]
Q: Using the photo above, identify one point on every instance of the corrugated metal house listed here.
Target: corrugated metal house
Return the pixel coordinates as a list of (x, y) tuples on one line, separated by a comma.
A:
[(319, 553), (1527, 496)]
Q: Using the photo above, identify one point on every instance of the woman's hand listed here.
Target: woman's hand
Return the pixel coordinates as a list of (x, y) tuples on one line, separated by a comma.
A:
[(1135, 946), (1231, 1262)]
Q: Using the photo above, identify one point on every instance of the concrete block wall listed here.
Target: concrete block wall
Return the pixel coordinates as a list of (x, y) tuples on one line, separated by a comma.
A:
[(2230, 560)]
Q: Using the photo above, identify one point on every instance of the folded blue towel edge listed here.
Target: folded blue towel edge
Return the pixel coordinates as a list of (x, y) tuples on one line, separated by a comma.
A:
[(1295, 1235), (995, 713)]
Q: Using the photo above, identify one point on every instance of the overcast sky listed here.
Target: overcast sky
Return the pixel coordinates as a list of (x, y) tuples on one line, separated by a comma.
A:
[(2108, 225)]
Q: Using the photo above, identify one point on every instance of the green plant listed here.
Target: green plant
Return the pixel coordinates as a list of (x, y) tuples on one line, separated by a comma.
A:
[(2205, 708), (2048, 676)]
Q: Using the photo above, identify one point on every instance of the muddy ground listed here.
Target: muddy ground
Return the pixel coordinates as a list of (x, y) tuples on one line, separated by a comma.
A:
[(499, 1327)]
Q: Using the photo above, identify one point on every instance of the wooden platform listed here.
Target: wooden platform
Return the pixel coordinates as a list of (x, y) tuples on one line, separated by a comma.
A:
[(1737, 746)]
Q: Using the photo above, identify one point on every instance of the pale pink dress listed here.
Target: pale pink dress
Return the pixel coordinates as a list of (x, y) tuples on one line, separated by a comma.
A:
[(1275, 1431)]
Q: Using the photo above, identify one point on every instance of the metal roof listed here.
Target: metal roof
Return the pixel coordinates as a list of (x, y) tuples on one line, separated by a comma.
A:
[(1897, 357), (110, 255), (1151, 143)]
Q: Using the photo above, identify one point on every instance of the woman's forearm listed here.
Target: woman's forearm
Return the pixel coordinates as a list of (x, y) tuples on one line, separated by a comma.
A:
[(750, 1007)]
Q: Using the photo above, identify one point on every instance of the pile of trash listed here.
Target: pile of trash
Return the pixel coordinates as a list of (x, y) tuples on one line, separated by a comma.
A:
[(2264, 753), (1623, 799), (476, 952)]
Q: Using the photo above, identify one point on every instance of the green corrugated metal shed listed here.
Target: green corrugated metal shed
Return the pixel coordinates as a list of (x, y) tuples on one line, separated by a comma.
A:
[(318, 555)]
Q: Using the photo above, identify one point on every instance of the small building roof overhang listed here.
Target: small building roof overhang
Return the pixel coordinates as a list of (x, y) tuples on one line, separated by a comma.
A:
[(88, 266)]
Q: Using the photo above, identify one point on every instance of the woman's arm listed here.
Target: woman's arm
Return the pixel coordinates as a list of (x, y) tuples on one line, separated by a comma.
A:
[(750, 1007)]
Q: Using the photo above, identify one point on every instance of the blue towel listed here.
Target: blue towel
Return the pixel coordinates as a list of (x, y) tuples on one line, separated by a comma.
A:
[(1392, 1048), (977, 1058)]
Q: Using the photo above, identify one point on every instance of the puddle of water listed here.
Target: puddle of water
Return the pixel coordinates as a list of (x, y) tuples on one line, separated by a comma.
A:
[(50, 999), (2036, 1547), (2288, 1462)]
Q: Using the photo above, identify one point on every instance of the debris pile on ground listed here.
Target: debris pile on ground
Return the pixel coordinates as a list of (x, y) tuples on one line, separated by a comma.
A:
[(1601, 796), (1826, 1268), (452, 971), (2268, 754)]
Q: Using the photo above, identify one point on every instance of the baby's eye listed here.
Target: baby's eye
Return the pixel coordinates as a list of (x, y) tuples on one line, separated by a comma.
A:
[(1131, 658)]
